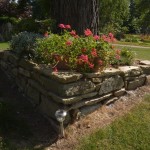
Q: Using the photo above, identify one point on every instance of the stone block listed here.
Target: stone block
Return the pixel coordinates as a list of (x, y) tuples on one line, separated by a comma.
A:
[(89, 109), (148, 80), (1, 54), (131, 70), (97, 80), (34, 95), (145, 62), (119, 92), (105, 73), (111, 84), (26, 64), (145, 68), (68, 90), (49, 107), (71, 100), (87, 102), (110, 101), (132, 85), (24, 72), (13, 59)]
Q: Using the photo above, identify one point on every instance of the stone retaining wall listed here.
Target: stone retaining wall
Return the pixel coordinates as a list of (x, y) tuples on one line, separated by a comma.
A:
[(77, 93)]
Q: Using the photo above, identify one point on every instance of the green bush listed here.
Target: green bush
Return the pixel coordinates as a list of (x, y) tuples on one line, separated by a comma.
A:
[(123, 57), (23, 44), (32, 25)]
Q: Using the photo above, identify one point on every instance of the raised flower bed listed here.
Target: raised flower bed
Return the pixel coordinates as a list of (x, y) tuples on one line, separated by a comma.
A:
[(79, 90)]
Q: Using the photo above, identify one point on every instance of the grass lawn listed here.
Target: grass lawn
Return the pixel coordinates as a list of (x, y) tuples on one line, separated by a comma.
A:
[(145, 44), (140, 53), (4, 46), (131, 132)]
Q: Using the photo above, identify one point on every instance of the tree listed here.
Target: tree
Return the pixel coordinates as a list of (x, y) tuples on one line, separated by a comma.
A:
[(80, 14), (113, 14), (144, 11)]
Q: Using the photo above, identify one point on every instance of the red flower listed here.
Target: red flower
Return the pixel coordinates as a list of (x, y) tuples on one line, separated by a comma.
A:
[(100, 62), (62, 26), (67, 26), (88, 32), (96, 37), (83, 50), (91, 65), (69, 43), (84, 58), (55, 69), (73, 33), (117, 57), (94, 52), (46, 34), (76, 36), (111, 35)]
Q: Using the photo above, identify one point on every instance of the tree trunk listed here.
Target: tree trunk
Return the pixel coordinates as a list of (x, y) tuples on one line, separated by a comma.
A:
[(80, 14)]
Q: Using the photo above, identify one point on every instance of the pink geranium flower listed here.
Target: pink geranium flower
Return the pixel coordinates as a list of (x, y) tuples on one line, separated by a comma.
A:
[(69, 43), (96, 37), (94, 52), (55, 69), (46, 34), (100, 62), (67, 26), (62, 26), (88, 32), (84, 58), (91, 65), (73, 33)]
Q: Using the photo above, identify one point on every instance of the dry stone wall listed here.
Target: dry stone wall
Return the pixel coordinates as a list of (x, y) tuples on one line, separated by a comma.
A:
[(77, 93)]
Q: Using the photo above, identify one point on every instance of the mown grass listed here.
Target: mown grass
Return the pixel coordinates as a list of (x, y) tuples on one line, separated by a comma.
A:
[(140, 53), (4, 46), (131, 132), (145, 44)]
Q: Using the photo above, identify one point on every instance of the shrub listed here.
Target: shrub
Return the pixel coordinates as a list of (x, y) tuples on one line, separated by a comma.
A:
[(85, 53), (23, 44), (122, 57)]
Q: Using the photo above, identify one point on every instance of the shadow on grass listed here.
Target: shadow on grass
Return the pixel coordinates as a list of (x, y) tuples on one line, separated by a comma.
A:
[(21, 126)]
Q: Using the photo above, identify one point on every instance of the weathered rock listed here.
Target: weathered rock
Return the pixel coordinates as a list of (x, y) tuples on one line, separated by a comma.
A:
[(145, 62), (48, 107), (107, 72), (21, 83), (71, 100), (4, 65), (13, 59), (97, 80), (24, 72), (34, 95), (89, 101), (15, 72), (110, 101), (1, 54), (119, 92), (37, 86), (89, 109), (148, 80), (145, 68), (131, 70), (111, 84), (132, 85), (26, 64), (6, 55), (68, 90), (98, 87)]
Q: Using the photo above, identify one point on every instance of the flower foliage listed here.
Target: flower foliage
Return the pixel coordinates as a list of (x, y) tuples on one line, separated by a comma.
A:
[(82, 53), (86, 53)]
